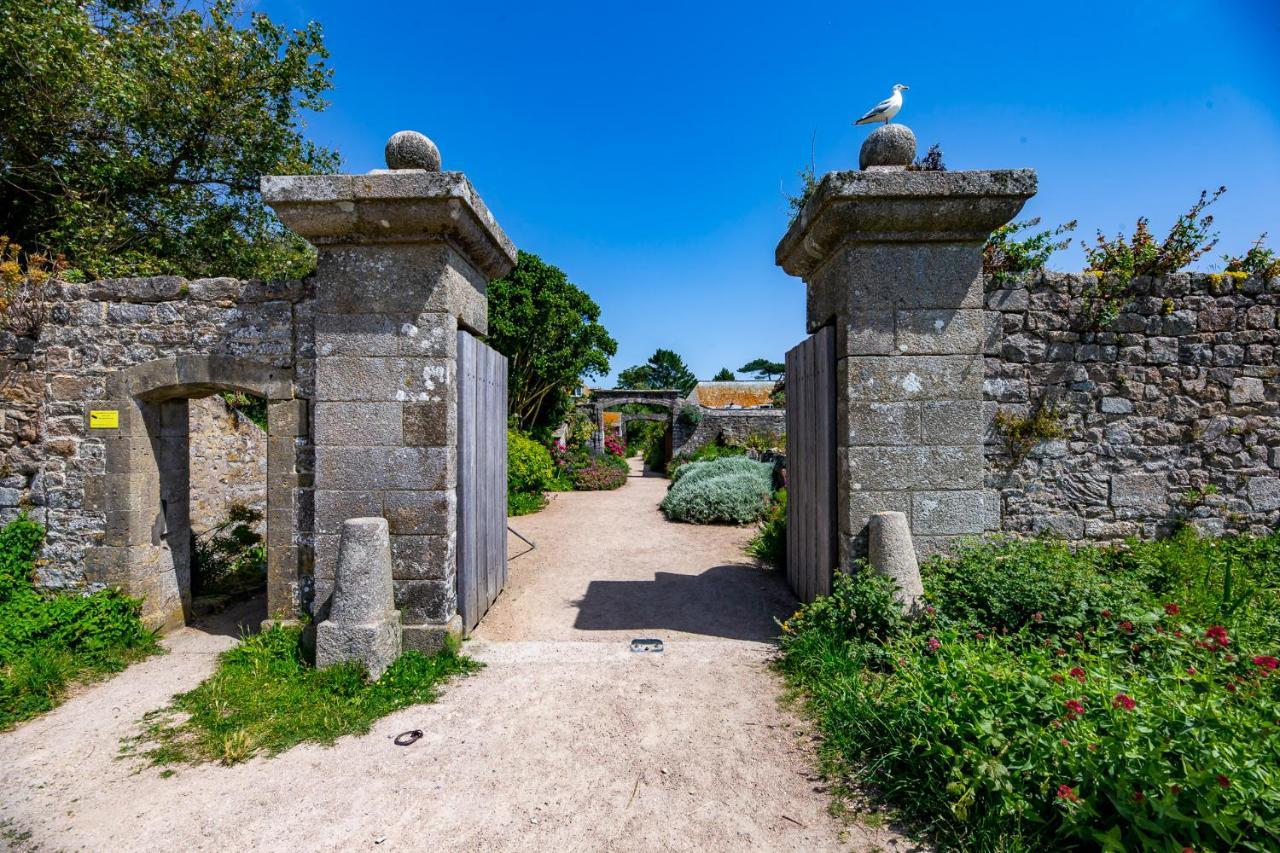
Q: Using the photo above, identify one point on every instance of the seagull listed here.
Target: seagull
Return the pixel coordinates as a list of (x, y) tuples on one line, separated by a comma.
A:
[(886, 109)]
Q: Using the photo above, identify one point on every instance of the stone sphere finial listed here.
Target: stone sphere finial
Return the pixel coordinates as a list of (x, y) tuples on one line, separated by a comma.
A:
[(892, 146), (409, 149)]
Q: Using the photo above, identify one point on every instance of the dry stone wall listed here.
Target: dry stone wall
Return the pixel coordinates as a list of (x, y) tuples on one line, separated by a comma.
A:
[(54, 465), (733, 426), (1180, 392), (228, 463)]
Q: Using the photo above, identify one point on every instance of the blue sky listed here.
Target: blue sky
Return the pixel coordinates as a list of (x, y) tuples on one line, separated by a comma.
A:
[(645, 148)]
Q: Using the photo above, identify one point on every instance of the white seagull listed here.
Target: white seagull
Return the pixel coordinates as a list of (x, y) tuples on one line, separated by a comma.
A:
[(886, 109)]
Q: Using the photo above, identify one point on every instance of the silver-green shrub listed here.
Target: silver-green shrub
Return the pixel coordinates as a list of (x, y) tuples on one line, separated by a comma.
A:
[(735, 490)]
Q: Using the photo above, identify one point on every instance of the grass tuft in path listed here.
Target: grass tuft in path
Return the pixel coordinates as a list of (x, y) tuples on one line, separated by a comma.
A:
[(265, 698)]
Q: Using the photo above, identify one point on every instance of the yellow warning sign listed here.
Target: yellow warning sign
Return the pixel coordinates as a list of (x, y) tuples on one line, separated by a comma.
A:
[(104, 419)]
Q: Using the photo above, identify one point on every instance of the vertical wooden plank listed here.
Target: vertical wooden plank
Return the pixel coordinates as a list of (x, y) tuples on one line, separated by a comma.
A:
[(500, 523), (825, 446), (492, 417)]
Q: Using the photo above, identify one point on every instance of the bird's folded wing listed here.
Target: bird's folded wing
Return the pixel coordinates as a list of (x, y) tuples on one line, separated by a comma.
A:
[(878, 109)]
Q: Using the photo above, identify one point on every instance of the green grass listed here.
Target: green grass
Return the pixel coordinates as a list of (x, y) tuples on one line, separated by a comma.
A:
[(963, 720), (524, 503), (51, 642), (265, 698)]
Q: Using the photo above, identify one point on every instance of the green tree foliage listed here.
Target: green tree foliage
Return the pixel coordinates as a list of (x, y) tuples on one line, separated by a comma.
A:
[(763, 368), (550, 330), (725, 375), (135, 132), (664, 369)]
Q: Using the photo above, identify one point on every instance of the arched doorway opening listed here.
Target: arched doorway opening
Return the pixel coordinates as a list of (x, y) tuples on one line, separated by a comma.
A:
[(145, 490)]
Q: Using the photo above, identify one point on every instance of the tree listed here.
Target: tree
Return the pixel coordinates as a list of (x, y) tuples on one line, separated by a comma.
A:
[(550, 331), (135, 132), (664, 369), (725, 375), (763, 368)]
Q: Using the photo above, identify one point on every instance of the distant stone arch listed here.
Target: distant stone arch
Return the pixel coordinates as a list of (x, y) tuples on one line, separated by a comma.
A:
[(143, 489)]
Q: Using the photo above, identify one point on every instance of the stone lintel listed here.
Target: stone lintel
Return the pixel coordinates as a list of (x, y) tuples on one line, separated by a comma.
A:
[(901, 207), (400, 206)]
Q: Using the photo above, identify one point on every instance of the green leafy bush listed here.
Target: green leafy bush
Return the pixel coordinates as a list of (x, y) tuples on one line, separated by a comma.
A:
[(229, 559), (47, 642), (736, 490), (523, 503), (1004, 257), (705, 453), (770, 542), (265, 698), (529, 465), (1051, 698)]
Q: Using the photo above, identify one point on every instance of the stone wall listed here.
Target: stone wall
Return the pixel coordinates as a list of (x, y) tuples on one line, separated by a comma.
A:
[(228, 461), (1180, 392), (733, 426), (54, 465)]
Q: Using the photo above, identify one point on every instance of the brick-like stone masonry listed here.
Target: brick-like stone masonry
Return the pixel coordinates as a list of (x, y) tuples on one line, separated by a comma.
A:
[(733, 426), (1181, 391)]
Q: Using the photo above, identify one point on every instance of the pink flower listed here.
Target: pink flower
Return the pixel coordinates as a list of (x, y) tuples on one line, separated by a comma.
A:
[(1172, 609), (1064, 741), (1267, 662), (1122, 700), (1037, 616), (1075, 708), (1126, 626), (1077, 673), (1066, 792), (1191, 670), (1107, 613), (1223, 781), (934, 645)]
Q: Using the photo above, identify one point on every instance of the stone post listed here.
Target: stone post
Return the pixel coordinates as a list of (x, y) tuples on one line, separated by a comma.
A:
[(893, 259), (363, 624), (405, 257)]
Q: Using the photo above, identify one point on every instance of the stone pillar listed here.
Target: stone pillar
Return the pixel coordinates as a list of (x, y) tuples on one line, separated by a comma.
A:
[(406, 255), (363, 624), (893, 259)]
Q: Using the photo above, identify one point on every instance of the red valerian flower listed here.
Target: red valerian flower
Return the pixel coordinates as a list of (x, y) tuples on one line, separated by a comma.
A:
[(1107, 613), (1056, 678), (1172, 609), (1231, 688), (1177, 789), (1223, 781), (1126, 626), (1064, 741), (1122, 700), (934, 645), (1077, 673), (1266, 662), (1075, 708), (1217, 636), (1037, 616), (1191, 670), (1138, 796), (981, 636), (1093, 747), (1066, 792)]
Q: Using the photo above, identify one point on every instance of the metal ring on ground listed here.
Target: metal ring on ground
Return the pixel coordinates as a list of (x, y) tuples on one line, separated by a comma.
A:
[(406, 738)]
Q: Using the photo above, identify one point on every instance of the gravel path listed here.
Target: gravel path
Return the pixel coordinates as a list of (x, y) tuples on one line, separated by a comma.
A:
[(566, 740)]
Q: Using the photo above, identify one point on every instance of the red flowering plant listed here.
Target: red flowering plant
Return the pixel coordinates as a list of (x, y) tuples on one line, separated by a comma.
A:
[(1073, 729)]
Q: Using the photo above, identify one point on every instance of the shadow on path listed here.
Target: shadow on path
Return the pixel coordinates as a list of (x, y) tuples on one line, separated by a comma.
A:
[(733, 601)]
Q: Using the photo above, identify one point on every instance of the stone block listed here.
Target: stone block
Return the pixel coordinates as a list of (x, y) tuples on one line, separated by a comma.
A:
[(419, 513), (867, 333), (376, 646), (939, 331), (1143, 491), (1263, 493), (347, 424), (951, 513), (356, 335), (430, 639), (910, 468), (215, 290), (433, 601), (899, 378), (432, 424), (1247, 390), (383, 468), (383, 379), (423, 557), (856, 507), (880, 423), (1116, 406), (333, 508), (953, 422)]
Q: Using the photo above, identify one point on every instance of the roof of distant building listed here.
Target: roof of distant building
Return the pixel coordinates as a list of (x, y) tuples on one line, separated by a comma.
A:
[(733, 395)]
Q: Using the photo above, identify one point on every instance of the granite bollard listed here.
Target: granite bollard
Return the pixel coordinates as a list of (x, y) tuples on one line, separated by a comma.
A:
[(893, 555), (363, 624)]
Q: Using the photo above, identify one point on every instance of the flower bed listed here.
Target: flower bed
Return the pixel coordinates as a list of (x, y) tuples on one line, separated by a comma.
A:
[(1051, 699)]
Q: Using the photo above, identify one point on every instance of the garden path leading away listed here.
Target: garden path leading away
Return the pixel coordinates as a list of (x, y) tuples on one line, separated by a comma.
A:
[(565, 741)]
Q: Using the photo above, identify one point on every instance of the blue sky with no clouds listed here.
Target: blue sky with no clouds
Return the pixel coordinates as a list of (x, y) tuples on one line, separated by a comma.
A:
[(645, 148)]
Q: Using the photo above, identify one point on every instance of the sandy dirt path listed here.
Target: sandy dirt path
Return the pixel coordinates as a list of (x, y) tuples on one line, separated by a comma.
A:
[(566, 741)]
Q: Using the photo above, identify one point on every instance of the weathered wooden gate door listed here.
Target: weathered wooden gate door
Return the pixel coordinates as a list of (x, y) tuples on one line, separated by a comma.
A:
[(482, 478), (811, 457)]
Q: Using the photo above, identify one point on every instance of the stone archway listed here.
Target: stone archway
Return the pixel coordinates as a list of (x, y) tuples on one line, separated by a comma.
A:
[(143, 487)]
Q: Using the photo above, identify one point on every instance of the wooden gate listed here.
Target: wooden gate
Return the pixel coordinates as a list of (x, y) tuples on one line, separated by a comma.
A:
[(811, 465), (482, 478)]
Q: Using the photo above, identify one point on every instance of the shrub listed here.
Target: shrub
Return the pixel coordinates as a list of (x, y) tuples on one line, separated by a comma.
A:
[(690, 414), (705, 453), (600, 474), (929, 162), (1259, 261), (529, 466), (524, 503), (1058, 698), (229, 558), (770, 542), (614, 446), (48, 642), (1004, 257), (736, 490)]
